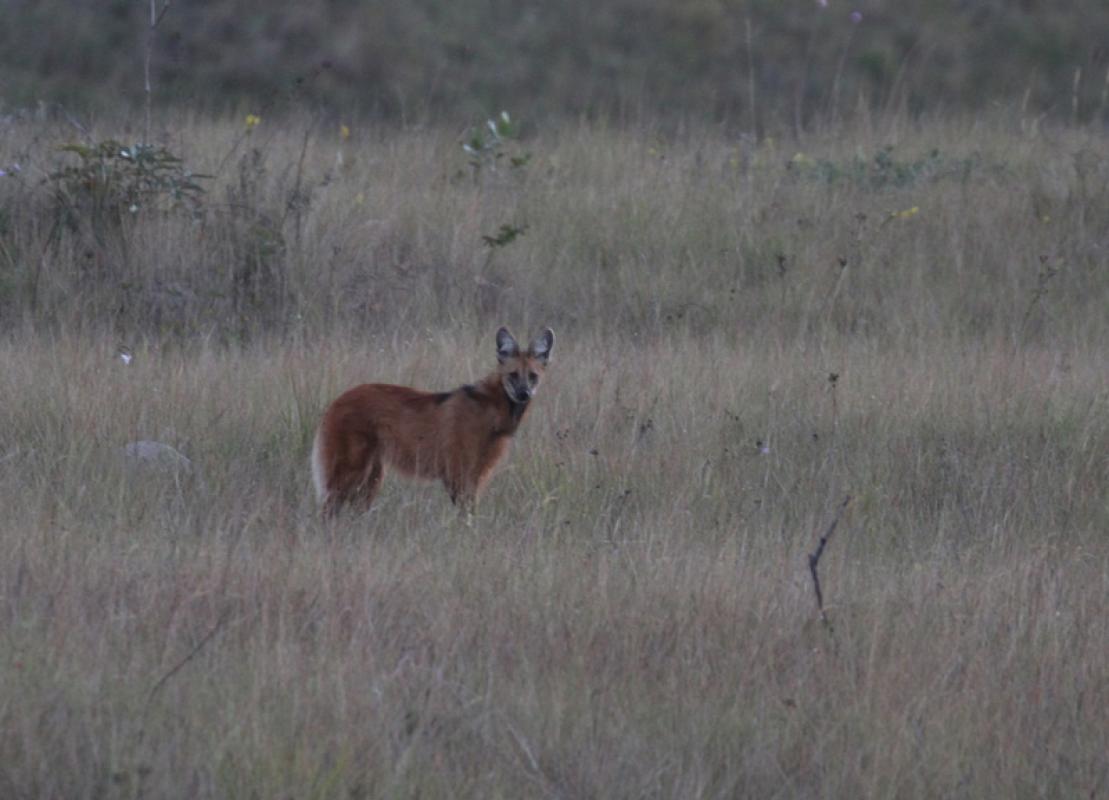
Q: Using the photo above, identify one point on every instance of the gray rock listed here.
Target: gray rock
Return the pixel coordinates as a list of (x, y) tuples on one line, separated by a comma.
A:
[(158, 455)]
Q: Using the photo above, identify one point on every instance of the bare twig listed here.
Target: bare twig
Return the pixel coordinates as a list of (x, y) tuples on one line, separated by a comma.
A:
[(751, 80), (76, 123), (802, 87), (189, 656), (1104, 97), (162, 681), (295, 201), (533, 770), (834, 116), (156, 17), (1042, 280), (814, 561), (1076, 88), (833, 380), (298, 85)]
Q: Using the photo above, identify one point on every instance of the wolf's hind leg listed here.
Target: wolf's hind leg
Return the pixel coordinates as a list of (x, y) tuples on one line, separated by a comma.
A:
[(370, 485)]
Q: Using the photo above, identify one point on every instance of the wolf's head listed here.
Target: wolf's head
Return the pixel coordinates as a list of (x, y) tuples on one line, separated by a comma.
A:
[(521, 371)]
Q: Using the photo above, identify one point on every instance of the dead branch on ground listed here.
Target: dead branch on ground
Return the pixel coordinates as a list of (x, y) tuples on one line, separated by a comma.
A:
[(814, 563)]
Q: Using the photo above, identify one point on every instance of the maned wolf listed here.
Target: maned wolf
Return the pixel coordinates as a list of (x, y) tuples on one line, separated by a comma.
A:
[(456, 437)]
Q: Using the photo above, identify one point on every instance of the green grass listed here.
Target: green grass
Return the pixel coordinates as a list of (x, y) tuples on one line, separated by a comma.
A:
[(631, 613)]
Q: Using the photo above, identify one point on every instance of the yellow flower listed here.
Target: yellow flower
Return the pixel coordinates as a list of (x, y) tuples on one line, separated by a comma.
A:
[(344, 132), (252, 121)]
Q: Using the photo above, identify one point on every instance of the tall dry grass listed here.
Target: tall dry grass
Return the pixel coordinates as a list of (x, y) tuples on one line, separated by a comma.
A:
[(694, 232), (631, 613)]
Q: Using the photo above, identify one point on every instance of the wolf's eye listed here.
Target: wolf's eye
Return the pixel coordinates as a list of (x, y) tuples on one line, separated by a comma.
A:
[(532, 377)]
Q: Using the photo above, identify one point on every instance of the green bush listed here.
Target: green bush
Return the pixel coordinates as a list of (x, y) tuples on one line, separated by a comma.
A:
[(112, 180)]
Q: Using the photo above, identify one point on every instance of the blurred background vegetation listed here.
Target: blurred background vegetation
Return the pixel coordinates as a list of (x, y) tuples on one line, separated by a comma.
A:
[(348, 162), (423, 60)]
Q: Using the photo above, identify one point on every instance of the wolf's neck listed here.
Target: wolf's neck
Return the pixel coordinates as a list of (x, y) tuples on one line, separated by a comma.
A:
[(491, 390)]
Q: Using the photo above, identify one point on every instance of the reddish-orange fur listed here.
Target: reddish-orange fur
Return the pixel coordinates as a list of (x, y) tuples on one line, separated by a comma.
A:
[(456, 437)]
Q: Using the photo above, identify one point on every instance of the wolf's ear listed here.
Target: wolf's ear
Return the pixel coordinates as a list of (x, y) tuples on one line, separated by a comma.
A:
[(506, 346), (542, 344)]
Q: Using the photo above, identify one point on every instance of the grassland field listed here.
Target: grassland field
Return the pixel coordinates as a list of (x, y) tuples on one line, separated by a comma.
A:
[(908, 312)]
